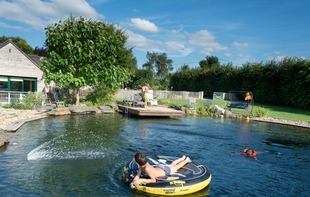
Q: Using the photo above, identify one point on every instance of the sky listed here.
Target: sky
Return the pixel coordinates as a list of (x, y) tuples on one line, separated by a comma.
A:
[(235, 31)]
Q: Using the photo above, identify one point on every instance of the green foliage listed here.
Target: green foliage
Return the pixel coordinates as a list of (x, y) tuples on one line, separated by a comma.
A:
[(161, 66), (20, 42), (280, 83), (30, 101), (16, 105), (204, 111), (101, 95), (141, 77), (33, 99), (209, 62), (86, 53), (261, 112)]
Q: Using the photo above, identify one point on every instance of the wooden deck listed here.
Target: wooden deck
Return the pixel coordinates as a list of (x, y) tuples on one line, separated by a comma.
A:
[(150, 111)]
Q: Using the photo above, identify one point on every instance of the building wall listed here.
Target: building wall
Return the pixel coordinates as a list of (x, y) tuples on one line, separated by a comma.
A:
[(14, 63)]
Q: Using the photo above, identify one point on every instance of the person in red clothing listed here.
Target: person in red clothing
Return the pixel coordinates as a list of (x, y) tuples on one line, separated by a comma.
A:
[(249, 152)]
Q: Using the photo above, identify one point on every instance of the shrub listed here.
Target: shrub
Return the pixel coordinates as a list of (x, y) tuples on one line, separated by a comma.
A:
[(204, 111), (33, 99), (261, 112)]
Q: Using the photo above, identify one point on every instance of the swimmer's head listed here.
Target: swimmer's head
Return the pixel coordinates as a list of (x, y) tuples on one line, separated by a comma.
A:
[(249, 152)]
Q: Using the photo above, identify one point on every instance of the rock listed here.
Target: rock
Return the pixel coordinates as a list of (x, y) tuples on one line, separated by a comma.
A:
[(44, 108), (229, 114), (84, 110), (3, 141), (107, 109), (59, 112)]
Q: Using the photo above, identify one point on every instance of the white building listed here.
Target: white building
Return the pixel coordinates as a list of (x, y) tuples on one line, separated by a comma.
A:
[(19, 74)]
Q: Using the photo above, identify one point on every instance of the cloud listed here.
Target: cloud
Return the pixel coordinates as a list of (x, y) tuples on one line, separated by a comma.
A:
[(38, 13), (144, 25), (240, 45), (205, 41), (178, 48), (6, 26), (138, 41), (143, 43)]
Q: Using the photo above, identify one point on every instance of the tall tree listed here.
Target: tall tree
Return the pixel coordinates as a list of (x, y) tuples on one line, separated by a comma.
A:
[(84, 52), (209, 62), (160, 65)]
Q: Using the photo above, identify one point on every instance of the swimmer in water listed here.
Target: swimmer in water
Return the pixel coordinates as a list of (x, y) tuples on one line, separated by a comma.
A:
[(249, 152)]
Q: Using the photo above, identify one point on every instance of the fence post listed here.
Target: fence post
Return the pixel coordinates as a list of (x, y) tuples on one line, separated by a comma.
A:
[(20, 97), (201, 95), (9, 97)]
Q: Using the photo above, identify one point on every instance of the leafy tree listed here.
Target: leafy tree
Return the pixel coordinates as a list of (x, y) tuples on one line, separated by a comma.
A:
[(20, 42), (160, 65), (40, 51), (141, 77), (185, 67), (87, 53), (209, 62)]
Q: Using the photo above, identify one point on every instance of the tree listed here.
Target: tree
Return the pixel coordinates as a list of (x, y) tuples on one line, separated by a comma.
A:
[(84, 52), (141, 77), (20, 42), (209, 62), (161, 66), (40, 51)]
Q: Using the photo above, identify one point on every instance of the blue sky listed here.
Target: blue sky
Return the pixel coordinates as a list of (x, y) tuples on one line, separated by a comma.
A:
[(236, 31)]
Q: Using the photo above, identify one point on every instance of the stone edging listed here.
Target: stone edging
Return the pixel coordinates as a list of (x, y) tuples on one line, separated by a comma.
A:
[(283, 122)]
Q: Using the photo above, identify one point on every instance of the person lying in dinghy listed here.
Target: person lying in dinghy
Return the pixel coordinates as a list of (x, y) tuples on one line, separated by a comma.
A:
[(158, 171)]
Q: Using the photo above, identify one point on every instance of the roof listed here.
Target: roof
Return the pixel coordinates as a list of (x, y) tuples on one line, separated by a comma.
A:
[(10, 41)]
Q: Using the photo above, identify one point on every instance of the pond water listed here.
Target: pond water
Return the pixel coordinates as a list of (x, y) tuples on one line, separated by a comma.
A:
[(84, 155)]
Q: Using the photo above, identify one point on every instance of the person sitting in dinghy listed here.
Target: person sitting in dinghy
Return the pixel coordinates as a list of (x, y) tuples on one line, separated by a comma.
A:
[(158, 171)]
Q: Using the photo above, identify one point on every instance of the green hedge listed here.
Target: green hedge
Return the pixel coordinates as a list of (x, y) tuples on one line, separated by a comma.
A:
[(286, 82)]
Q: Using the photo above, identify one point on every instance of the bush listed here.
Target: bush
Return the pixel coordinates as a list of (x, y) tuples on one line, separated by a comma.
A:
[(30, 101), (205, 111), (33, 99), (261, 112)]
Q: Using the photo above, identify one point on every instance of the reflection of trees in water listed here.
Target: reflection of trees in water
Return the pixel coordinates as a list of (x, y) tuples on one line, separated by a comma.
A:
[(286, 135)]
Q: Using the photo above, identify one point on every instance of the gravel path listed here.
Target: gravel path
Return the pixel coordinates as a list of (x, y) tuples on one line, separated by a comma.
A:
[(10, 116)]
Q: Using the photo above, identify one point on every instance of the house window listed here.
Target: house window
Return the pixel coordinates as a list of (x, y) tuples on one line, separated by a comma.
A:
[(4, 84), (16, 84), (29, 85)]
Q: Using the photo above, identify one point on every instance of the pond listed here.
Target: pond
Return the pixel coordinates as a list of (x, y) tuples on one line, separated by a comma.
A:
[(84, 155)]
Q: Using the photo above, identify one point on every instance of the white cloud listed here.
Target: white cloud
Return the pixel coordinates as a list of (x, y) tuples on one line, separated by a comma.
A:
[(175, 47), (228, 54), (240, 45), (142, 43), (205, 41), (38, 13), (137, 41), (144, 25)]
